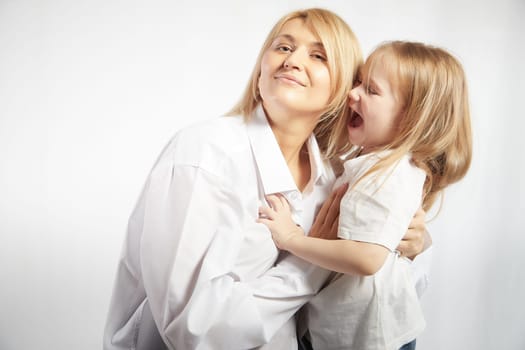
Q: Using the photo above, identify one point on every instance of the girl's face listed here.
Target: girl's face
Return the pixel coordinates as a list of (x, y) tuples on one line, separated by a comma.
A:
[(375, 108), (294, 73)]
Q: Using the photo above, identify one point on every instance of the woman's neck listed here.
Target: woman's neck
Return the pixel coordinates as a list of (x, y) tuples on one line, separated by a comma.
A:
[(297, 158), (292, 134), (291, 129), (291, 143)]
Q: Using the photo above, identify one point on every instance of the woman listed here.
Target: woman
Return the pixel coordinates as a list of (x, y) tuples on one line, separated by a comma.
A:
[(196, 270)]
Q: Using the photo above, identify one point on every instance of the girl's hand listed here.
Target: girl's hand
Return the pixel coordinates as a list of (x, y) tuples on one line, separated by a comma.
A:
[(416, 239), (278, 218), (327, 220)]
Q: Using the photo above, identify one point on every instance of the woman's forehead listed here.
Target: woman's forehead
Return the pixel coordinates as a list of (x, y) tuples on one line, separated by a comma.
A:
[(299, 28)]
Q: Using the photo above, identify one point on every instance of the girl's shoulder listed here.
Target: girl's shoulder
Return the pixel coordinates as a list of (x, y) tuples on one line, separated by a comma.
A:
[(407, 170), (403, 171)]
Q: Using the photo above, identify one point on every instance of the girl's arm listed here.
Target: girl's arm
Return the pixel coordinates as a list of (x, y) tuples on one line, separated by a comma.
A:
[(341, 255), (346, 256)]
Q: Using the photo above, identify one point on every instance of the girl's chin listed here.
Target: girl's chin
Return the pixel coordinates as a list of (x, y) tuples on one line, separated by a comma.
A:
[(355, 137), (354, 132)]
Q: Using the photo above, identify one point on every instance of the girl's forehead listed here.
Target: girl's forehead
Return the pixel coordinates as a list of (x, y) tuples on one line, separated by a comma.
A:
[(381, 61)]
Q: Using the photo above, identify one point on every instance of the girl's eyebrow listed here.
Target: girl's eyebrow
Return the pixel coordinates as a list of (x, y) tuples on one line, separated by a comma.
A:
[(368, 80), (374, 85)]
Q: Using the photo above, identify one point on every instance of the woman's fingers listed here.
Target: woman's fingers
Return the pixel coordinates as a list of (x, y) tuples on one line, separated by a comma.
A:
[(326, 221), (332, 217), (411, 245), (414, 241), (334, 228), (418, 221), (333, 211), (321, 216)]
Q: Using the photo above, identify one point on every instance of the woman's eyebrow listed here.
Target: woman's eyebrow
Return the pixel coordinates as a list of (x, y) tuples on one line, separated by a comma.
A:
[(286, 36), (290, 37), (318, 44)]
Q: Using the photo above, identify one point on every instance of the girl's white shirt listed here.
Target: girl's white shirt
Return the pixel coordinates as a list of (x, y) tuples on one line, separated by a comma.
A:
[(381, 311)]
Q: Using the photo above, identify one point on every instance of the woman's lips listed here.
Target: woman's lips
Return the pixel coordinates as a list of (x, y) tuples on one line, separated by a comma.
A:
[(289, 79)]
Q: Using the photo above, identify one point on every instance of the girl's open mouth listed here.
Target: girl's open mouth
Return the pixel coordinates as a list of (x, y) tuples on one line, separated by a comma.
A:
[(355, 120)]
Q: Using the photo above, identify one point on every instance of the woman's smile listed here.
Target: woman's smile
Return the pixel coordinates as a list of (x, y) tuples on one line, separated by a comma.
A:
[(289, 79)]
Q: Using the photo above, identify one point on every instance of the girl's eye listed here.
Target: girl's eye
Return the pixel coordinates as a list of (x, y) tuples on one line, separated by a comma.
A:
[(370, 90)]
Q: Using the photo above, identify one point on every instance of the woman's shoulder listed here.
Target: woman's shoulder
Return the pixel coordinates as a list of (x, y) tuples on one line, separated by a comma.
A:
[(220, 133), (209, 144), (211, 129)]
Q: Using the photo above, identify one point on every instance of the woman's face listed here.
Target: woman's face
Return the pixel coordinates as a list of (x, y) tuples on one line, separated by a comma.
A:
[(294, 72)]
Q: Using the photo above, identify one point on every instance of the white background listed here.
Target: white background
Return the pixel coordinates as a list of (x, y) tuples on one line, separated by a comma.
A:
[(90, 92)]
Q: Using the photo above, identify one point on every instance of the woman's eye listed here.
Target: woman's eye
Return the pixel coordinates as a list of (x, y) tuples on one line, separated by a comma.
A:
[(319, 56), (284, 48)]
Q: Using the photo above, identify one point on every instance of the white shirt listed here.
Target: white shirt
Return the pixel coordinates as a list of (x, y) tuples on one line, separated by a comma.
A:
[(381, 311), (195, 264)]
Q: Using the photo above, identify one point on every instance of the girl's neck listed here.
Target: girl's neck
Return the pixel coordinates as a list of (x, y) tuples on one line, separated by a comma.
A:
[(370, 149)]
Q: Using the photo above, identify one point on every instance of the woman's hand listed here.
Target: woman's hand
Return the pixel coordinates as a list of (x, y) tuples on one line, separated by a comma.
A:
[(327, 220), (278, 218), (416, 239)]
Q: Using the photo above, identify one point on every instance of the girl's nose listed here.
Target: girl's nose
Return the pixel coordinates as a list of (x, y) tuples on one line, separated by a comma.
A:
[(353, 95)]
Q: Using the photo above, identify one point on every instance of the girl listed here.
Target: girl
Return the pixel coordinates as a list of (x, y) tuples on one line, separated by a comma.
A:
[(408, 127)]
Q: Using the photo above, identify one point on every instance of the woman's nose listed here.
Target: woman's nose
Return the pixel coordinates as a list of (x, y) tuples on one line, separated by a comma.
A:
[(295, 60)]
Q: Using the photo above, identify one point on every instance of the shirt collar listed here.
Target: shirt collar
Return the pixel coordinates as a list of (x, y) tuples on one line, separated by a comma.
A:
[(273, 170), (319, 167)]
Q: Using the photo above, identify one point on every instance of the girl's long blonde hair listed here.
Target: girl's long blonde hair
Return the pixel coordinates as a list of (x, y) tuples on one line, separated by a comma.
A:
[(435, 123), (343, 56)]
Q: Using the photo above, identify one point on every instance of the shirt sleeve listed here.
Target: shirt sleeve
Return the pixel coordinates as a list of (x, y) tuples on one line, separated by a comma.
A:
[(379, 209), (190, 241)]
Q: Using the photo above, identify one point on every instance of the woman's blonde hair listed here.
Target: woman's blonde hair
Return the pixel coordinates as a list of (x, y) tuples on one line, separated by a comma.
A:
[(435, 123), (343, 57)]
